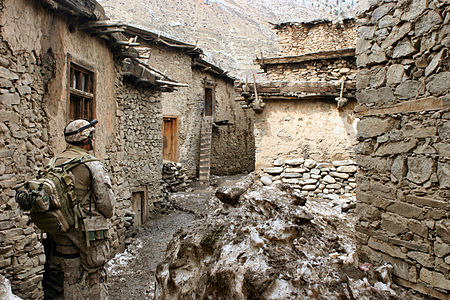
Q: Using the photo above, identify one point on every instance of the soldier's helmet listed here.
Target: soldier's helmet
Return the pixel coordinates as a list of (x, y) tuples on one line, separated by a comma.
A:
[(79, 130)]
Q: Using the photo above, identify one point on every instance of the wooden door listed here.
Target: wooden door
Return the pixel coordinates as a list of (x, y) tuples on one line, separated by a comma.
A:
[(137, 199), (209, 96), (170, 138)]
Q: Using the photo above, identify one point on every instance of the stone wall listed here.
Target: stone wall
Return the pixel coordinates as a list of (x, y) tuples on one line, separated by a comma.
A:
[(403, 151), (316, 70), (313, 178), (134, 155), (314, 129), (33, 111), (232, 145), (302, 38)]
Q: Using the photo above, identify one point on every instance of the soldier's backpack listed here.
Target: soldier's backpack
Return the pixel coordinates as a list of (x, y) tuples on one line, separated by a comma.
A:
[(50, 196)]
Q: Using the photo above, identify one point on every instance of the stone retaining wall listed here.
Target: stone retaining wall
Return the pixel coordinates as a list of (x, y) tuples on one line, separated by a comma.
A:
[(311, 177), (302, 38), (403, 152), (317, 70)]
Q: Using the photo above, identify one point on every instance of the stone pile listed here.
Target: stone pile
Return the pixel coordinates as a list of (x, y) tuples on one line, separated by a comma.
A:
[(174, 178), (313, 178)]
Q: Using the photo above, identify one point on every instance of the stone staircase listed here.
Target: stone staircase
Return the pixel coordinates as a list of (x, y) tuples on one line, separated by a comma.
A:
[(205, 150)]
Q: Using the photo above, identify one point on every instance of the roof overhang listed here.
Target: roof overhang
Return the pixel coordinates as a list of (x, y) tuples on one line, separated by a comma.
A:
[(321, 55)]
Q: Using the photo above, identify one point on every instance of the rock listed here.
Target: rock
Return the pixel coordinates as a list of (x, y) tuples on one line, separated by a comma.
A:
[(443, 174), (396, 34), (408, 89), (403, 48), (278, 162), (295, 170), (395, 74), (427, 22), (294, 162), (414, 10), (419, 169), (230, 194), (340, 175), (398, 169), (439, 83), (371, 127), (435, 62), (274, 170), (329, 179), (347, 169), (291, 175), (340, 163), (309, 187), (309, 163), (266, 180)]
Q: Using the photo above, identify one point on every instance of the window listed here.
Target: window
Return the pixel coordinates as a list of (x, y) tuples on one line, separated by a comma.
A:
[(81, 92)]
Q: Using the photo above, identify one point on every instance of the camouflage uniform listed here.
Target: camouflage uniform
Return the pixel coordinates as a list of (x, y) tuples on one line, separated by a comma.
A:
[(84, 249)]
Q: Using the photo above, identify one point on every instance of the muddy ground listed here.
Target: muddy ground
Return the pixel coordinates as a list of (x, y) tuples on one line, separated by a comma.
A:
[(132, 273)]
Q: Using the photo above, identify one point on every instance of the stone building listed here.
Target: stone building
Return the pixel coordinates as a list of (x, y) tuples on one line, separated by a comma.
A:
[(305, 110), (60, 61), (403, 151), (203, 127)]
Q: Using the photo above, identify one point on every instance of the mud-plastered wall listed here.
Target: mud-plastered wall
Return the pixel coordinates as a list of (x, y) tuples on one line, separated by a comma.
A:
[(403, 152), (311, 129)]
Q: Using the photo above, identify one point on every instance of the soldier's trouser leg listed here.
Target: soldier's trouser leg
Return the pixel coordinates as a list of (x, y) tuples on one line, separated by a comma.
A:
[(72, 276), (98, 288)]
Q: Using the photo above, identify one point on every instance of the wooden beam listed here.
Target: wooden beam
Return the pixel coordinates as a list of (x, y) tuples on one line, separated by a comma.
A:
[(331, 54), (284, 87)]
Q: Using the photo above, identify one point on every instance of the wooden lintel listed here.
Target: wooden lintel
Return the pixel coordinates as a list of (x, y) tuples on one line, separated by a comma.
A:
[(284, 87), (331, 54), (426, 104)]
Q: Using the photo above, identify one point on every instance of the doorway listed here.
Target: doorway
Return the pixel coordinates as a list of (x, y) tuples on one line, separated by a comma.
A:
[(170, 136)]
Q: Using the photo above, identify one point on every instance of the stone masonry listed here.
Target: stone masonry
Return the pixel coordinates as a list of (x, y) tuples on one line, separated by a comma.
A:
[(302, 38), (404, 133), (313, 178)]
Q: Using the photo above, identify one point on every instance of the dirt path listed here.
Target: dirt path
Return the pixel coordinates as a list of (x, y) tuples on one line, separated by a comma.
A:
[(132, 273)]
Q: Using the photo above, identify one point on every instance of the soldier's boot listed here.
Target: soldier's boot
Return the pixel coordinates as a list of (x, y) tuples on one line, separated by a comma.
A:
[(72, 277), (98, 286)]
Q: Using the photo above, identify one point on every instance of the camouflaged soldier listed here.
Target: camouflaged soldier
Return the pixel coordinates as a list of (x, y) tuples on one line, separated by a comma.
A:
[(84, 248)]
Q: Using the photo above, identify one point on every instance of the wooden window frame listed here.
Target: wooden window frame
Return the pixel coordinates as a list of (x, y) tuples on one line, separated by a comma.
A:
[(83, 67), (175, 140), (212, 86)]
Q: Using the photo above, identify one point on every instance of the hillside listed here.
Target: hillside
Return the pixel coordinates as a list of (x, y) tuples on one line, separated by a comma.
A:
[(231, 32)]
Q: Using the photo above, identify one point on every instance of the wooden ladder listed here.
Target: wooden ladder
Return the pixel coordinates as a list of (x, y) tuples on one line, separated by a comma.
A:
[(205, 150)]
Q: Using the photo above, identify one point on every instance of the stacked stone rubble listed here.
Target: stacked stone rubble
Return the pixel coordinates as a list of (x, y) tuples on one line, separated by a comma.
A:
[(316, 70), (404, 134), (174, 178), (313, 178), (302, 38)]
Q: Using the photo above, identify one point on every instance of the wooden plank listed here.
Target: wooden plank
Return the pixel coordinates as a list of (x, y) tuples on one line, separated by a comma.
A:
[(426, 104), (331, 54), (284, 87)]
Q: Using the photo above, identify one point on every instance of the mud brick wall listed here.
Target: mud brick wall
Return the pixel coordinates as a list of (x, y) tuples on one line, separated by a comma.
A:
[(404, 133), (302, 38), (316, 70)]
